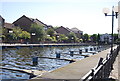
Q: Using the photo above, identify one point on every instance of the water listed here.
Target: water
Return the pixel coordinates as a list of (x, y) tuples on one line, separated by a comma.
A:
[(21, 58)]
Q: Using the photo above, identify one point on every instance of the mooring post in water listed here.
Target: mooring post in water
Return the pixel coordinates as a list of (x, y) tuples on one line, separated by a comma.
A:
[(95, 48), (35, 61), (91, 49), (80, 51), (71, 53), (58, 55), (86, 50)]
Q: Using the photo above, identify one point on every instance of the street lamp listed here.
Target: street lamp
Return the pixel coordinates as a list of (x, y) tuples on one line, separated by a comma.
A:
[(114, 13)]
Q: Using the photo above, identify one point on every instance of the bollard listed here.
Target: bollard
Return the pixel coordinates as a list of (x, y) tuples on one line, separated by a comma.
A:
[(91, 49), (71, 53), (86, 50), (57, 55), (35, 61), (95, 48), (80, 51)]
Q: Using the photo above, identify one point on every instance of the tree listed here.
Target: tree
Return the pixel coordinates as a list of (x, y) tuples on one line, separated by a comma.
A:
[(16, 33), (50, 32), (98, 38), (115, 37), (72, 37), (62, 38), (85, 37), (94, 38), (39, 32), (24, 35)]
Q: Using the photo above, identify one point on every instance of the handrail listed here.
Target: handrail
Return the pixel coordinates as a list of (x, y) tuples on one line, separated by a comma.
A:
[(103, 68)]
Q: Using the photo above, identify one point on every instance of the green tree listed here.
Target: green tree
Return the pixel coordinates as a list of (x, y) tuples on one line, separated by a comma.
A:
[(85, 37), (62, 38), (24, 35), (4, 34), (39, 32), (72, 37), (16, 33), (98, 38), (115, 37), (50, 32), (94, 38)]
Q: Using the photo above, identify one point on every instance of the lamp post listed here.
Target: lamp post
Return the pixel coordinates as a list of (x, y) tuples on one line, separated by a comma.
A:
[(114, 13)]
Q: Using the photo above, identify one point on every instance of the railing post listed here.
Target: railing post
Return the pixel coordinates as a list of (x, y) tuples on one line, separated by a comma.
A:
[(100, 62)]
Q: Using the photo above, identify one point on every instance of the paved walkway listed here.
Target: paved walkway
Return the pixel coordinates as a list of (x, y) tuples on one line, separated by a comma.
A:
[(115, 74), (74, 70)]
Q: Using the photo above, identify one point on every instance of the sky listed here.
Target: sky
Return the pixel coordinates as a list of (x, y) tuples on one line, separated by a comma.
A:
[(86, 15)]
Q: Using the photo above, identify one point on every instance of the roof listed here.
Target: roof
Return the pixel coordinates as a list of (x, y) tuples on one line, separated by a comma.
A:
[(9, 25), (32, 20), (75, 30), (37, 21)]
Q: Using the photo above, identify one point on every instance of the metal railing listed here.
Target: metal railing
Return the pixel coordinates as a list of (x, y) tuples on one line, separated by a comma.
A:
[(103, 69)]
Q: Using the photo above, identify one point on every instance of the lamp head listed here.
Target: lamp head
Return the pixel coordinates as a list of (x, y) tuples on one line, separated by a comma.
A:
[(115, 9), (106, 11)]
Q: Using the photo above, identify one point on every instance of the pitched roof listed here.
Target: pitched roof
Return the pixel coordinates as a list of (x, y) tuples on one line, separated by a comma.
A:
[(75, 30), (32, 20), (37, 21), (9, 25)]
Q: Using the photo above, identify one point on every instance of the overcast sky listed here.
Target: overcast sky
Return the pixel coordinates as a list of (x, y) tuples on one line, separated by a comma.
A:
[(85, 15)]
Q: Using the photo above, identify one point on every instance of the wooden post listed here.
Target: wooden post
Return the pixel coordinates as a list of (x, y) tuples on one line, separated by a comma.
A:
[(91, 49), (95, 48), (58, 55), (86, 50), (71, 53), (80, 51), (35, 61)]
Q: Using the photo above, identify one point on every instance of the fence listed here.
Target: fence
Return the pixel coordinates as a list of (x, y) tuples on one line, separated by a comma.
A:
[(104, 67)]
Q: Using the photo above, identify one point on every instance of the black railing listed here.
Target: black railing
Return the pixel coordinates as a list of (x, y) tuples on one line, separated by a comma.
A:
[(103, 69)]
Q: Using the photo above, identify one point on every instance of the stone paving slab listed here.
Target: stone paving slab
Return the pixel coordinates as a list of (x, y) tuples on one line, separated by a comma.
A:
[(74, 70)]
